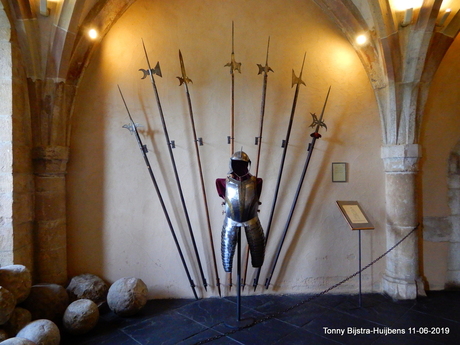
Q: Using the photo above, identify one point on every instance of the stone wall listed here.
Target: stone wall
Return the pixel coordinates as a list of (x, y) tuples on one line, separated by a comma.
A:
[(16, 178), (6, 143)]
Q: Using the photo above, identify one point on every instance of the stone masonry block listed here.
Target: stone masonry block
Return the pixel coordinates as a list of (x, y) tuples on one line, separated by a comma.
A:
[(453, 181), (6, 128), (49, 206), (400, 198), (453, 263), (48, 184), (6, 208), (455, 221), (23, 233), (437, 229), (23, 207), (50, 234), (6, 95), (22, 161), (52, 266), (24, 183), (6, 182), (454, 200), (6, 157)]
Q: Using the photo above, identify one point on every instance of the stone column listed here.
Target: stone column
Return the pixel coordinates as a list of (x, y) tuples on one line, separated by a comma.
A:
[(402, 263), (453, 262), (50, 164)]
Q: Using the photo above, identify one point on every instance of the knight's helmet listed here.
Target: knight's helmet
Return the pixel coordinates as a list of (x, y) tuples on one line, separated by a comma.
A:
[(239, 163)]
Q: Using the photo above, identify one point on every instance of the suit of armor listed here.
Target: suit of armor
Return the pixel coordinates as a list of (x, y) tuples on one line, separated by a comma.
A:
[(241, 191)]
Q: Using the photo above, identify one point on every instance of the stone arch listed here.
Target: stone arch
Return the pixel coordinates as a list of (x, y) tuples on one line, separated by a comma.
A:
[(453, 263)]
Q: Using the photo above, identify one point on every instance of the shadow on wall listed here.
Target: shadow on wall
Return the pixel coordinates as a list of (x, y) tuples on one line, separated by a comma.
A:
[(86, 171)]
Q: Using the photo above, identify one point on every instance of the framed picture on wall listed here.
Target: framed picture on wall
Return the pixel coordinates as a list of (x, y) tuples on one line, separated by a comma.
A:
[(339, 172)]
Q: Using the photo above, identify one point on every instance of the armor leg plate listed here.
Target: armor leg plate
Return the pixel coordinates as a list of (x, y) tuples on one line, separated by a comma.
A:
[(228, 243), (256, 241)]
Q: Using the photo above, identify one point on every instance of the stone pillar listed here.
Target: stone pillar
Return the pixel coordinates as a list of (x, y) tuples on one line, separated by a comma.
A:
[(402, 263), (50, 164), (453, 262)]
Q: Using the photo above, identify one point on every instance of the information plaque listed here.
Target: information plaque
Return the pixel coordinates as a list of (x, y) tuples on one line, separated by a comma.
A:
[(354, 215)]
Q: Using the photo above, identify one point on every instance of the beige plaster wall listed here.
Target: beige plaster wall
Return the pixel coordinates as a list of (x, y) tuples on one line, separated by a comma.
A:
[(440, 133), (116, 226)]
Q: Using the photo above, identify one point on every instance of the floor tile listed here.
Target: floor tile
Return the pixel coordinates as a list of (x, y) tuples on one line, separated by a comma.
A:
[(266, 333), (302, 337), (284, 319), (166, 329), (211, 311)]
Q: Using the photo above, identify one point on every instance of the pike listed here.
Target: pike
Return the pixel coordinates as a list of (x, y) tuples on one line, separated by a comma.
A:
[(231, 138), (198, 141), (132, 127), (297, 81), (258, 140), (170, 144), (233, 66), (317, 123)]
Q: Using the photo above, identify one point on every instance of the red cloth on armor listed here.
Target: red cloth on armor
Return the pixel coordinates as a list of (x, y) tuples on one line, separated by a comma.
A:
[(220, 186)]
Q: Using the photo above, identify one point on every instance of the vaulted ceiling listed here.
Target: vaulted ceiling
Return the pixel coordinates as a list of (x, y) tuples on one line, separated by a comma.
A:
[(403, 50)]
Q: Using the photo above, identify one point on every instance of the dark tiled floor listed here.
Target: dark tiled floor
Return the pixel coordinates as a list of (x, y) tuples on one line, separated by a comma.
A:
[(430, 320)]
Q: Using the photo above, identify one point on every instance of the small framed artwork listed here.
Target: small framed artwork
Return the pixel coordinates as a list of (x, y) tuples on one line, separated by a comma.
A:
[(339, 172), (354, 215)]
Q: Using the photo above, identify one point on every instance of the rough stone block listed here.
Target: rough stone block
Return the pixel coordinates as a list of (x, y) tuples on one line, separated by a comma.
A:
[(17, 279), (81, 316), (18, 341), (7, 305), (88, 286), (127, 296), (47, 301), (18, 320), (43, 332)]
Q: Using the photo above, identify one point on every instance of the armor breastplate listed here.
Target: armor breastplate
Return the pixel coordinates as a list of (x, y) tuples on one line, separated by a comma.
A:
[(241, 200)]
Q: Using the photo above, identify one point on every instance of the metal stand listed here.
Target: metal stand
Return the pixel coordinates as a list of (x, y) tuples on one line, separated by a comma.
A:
[(238, 322), (359, 260)]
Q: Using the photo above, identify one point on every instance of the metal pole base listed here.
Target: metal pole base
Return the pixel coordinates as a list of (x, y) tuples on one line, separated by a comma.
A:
[(238, 324)]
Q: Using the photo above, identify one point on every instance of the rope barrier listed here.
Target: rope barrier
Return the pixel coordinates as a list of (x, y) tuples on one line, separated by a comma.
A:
[(273, 315)]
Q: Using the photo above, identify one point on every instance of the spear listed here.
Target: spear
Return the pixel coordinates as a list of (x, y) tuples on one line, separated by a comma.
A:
[(198, 141), (315, 135), (233, 66), (170, 144), (132, 127), (297, 81), (258, 140)]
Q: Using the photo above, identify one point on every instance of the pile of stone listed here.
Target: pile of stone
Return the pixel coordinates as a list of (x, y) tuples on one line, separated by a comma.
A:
[(36, 314)]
